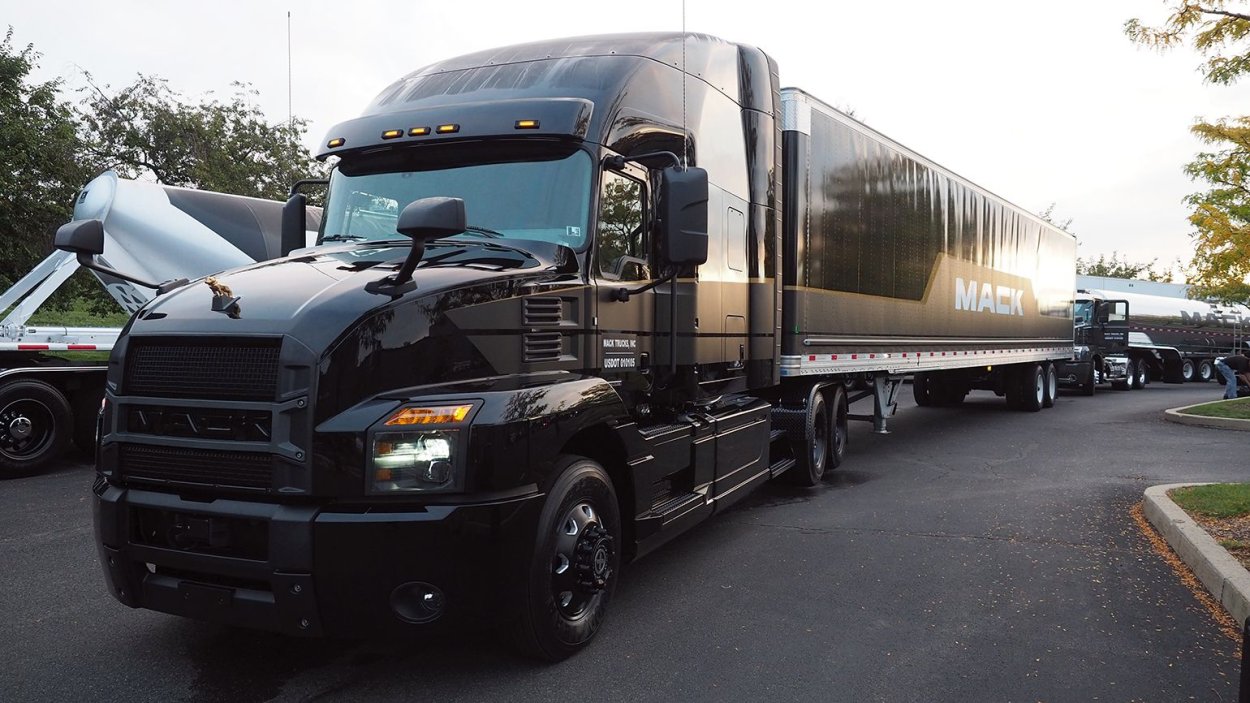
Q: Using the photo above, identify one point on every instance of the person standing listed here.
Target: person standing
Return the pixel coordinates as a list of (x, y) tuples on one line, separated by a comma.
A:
[(1229, 367)]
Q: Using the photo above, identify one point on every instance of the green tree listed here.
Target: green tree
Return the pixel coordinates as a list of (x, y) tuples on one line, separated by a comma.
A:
[(41, 162), (1048, 215), (1220, 31), (147, 130), (1221, 215), (1118, 266)]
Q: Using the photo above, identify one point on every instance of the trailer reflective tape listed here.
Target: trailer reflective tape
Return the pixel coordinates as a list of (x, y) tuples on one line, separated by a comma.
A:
[(27, 346), (912, 362)]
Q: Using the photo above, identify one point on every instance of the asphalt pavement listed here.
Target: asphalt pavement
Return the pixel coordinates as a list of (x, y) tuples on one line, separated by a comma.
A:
[(973, 554)]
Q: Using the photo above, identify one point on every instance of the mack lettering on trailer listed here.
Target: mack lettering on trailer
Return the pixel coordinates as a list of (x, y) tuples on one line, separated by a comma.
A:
[(1000, 300)]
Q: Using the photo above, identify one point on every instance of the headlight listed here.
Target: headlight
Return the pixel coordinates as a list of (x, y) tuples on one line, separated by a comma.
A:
[(411, 460)]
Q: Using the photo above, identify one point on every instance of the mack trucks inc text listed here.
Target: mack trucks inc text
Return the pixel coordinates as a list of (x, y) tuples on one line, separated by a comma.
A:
[(569, 299)]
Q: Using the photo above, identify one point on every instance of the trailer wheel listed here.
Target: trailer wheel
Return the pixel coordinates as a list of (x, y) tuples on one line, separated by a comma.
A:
[(1189, 372), (35, 424), (575, 564), (813, 451), (1206, 370), (840, 436), (1052, 385), (1033, 390)]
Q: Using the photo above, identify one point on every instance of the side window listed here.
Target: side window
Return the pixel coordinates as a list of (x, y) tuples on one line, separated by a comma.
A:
[(622, 231), (1119, 311), (735, 240)]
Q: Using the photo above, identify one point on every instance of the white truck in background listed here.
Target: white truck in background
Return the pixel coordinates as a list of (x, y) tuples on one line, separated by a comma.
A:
[(48, 399)]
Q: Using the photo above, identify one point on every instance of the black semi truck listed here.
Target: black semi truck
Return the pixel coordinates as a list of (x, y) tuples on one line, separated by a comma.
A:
[(569, 299)]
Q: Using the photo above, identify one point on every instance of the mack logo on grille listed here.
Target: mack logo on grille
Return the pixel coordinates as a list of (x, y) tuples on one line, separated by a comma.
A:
[(204, 423)]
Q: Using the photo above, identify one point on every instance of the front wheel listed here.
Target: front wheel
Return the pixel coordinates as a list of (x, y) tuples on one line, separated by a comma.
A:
[(575, 565)]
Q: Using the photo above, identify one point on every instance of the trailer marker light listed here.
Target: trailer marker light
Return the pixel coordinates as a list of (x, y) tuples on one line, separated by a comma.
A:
[(448, 128), (418, 131), (527, 124), (430, 416), (392, 133), (335, 143)]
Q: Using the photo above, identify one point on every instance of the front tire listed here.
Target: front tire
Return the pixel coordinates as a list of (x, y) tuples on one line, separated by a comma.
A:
[(575, 564), (35, 427)]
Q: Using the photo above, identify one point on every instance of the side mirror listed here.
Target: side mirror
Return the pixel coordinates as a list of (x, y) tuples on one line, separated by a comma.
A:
[(683, 213), (81, 237), (427, 218), (431, 218), (294, 224)]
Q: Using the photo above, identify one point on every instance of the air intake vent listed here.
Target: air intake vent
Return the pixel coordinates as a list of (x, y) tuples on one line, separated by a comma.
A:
[(202, 368), (542, 346), (542, 312), (142, 463)]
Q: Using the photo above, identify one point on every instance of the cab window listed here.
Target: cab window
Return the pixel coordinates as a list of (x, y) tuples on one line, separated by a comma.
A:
[(621, 233)]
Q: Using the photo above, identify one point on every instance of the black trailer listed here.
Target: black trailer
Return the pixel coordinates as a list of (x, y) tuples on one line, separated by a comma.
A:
[(571, 298)]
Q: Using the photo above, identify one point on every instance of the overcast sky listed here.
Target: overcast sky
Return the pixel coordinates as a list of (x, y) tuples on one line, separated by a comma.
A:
[(1039, 102)]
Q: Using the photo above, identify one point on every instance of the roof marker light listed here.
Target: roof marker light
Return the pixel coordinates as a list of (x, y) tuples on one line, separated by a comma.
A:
[(527, 124), (392, 133), (448, 128), (418, 131), (335, 143)]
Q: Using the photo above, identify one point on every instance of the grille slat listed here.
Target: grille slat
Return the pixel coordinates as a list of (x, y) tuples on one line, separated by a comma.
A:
[(545, 346), (543, 312), (140, 462), (159, 368)]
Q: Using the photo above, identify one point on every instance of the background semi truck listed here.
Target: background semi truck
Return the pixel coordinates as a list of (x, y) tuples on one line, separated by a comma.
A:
[(49, 393), (1129, 339), (570, 299)]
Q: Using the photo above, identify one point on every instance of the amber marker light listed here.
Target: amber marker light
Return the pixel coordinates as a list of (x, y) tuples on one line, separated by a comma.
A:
[(527, 124), (440, 415), (448, 128), (418, 131), (336, 143), (392, 133)]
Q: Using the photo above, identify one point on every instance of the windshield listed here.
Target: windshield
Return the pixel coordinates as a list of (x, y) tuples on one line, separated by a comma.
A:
[(508, 192)]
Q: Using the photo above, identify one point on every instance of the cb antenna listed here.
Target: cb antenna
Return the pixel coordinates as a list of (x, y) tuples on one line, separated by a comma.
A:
[(290, 114)]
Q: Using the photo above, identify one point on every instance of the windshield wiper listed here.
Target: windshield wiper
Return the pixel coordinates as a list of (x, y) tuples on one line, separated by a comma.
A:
[(474, 229), (343, 238)]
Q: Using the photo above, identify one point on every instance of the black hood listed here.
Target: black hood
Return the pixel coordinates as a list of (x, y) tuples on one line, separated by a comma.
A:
[(317, 296)]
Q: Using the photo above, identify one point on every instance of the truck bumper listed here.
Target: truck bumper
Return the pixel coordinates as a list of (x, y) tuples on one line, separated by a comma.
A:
[(311, 570)]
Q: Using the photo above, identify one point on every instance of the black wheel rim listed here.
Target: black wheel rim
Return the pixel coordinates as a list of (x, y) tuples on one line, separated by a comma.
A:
[(25, 429), (582, 565)]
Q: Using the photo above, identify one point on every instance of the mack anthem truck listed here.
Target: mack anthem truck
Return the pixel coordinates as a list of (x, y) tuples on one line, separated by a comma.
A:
[(52, 376), (569, 299)]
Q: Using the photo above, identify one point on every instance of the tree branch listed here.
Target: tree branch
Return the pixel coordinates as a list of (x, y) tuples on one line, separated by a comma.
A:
[(1226, 13)]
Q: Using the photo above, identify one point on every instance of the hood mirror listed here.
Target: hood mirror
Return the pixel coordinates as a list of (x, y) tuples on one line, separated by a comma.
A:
[(422, 220)]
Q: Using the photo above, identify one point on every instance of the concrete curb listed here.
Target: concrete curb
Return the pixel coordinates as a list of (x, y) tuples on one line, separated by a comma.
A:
[(1178, 415), (1222, 575)]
